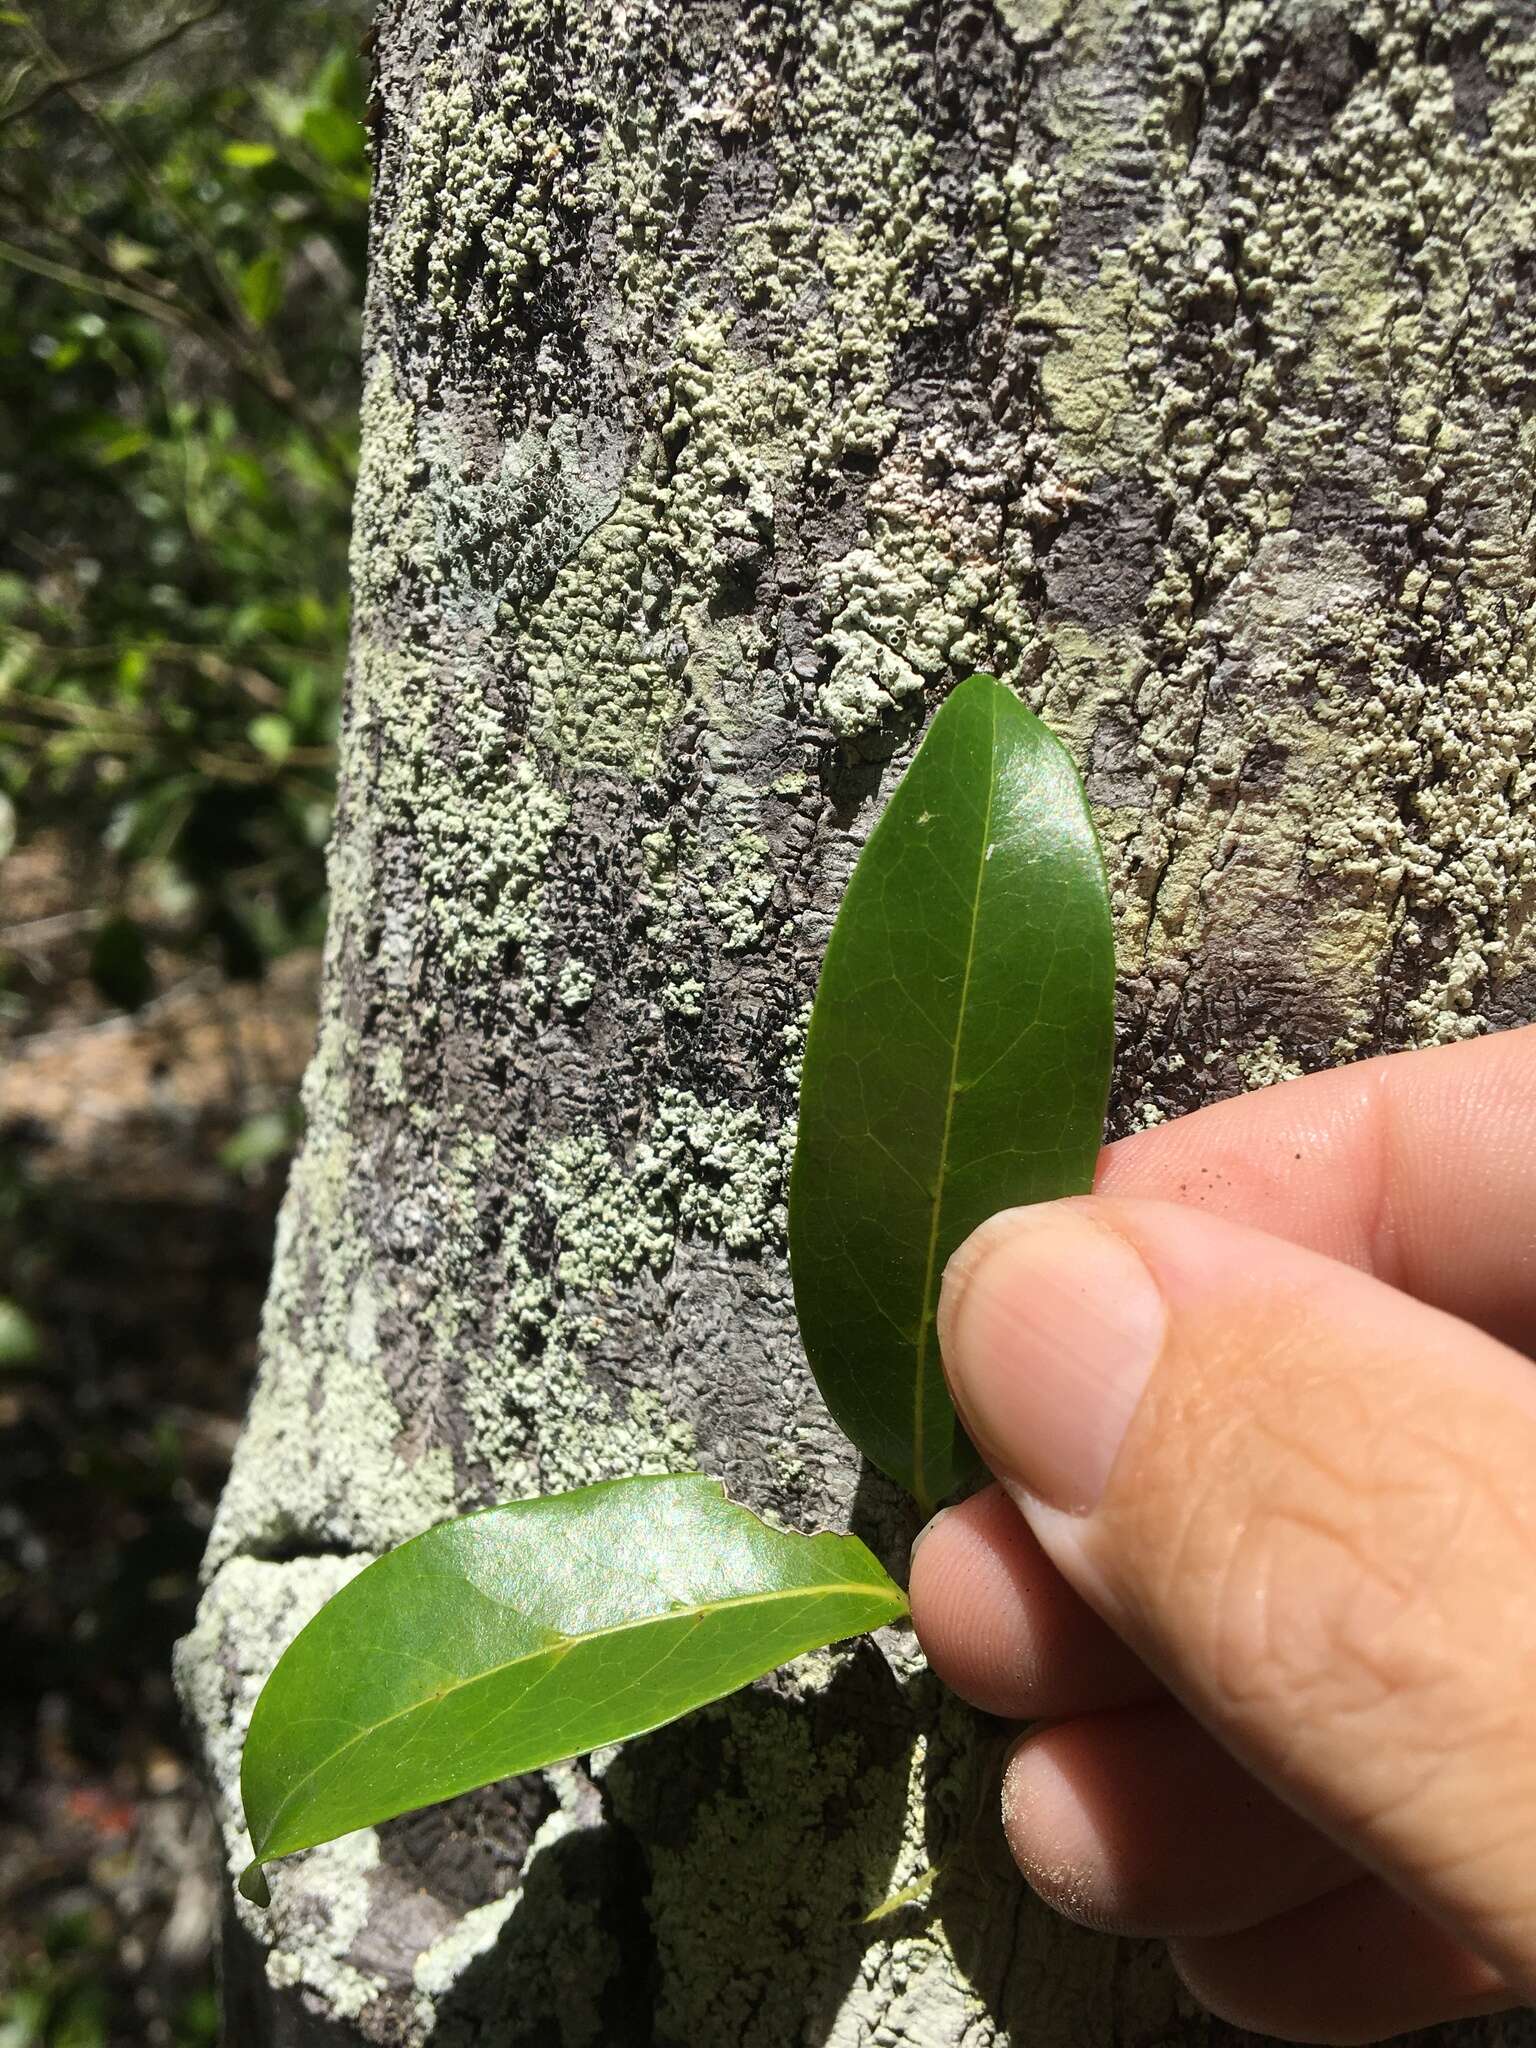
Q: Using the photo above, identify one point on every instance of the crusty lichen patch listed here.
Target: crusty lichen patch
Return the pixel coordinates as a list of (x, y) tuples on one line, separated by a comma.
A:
[(1333, 730), (541, 1422), (321, 1456), (488, 165), (319, 1901)]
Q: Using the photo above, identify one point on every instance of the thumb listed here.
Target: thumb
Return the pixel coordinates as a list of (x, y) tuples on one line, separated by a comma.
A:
[(1308, 1501)]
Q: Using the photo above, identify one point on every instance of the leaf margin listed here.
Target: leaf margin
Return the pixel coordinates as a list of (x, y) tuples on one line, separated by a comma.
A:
[(888, 1604), (1047, 749)]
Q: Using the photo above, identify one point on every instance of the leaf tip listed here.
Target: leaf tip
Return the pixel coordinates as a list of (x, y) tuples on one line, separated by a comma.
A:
[(254, 1886)]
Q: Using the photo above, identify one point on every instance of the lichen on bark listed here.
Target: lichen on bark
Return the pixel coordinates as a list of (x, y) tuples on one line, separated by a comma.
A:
[(739, 376)]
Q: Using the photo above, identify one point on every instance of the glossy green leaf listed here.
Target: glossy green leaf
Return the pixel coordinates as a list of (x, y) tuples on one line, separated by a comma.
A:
[(957, 1062), (512, 1638)]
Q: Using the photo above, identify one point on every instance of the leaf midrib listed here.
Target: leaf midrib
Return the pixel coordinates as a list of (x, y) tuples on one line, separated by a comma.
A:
[(951, 1096), (558, 1648)]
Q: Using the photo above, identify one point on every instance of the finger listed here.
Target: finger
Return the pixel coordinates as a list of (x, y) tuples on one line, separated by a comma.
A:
[(1420, 1169), (1001, 1626), (1139, 1822), (1357, 1966), (1305, 1499)]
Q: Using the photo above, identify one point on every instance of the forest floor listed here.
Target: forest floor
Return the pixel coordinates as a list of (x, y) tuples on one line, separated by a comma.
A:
[(141, 1160)]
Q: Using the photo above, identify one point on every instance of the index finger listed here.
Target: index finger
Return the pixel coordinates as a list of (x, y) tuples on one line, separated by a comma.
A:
[(1419, 1168)]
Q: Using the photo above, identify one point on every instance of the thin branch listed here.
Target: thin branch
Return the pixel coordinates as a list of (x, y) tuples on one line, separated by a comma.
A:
[(154, 190), (103, 287), (99, 716), (257, 768), (124, 61), (128, 729), (203, 660), (182, 650)]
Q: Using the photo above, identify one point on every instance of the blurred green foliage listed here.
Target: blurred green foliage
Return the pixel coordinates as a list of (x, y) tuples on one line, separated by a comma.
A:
[(183, 201), (63, 2000), (183, 196)]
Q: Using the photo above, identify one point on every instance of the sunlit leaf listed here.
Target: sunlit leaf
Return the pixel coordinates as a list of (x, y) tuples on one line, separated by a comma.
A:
[(957, 1062), (128, 255), (259, 1141), (271, 735), (507, 1640), (249, 156)]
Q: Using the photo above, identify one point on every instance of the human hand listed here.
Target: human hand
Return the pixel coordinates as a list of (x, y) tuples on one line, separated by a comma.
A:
[(1262, 1552)]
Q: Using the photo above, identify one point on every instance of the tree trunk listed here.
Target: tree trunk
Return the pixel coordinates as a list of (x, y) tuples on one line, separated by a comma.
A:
[(738, 377)]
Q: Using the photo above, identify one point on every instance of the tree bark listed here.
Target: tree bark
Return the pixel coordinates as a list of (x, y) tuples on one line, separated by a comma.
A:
[(739, 376)]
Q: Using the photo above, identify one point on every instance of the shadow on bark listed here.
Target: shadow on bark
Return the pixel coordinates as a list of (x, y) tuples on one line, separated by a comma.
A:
[(884, 1516), (721, 1897)]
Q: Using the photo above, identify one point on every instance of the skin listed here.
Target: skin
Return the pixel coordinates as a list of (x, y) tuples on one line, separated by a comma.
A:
[(1266, 1606)]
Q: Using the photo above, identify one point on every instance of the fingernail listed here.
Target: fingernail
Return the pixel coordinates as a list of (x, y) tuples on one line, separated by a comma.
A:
[(1050, 1324)]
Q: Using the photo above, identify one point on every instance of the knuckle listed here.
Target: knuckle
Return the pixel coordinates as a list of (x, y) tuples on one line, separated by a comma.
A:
[(1316, 1579)]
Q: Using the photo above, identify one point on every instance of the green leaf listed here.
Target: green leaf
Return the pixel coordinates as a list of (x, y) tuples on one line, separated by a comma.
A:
[(509, 1639), (123, 253), (271, 735), (249, 156), (335, 137), (957, 1062), (19, 1341), (261, 286), (259, 1140)]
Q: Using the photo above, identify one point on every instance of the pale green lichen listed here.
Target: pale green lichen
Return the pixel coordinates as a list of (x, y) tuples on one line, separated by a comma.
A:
[(1014, 220), (718, 879), (1095, 408), (853, 226), (892, 631), (705, 1167), (543, 1424), (683, 995), (391, 523), (1267, 1063), (628, 612), (1331, 663), (794, 1036), (323, 1416), (336, 1878), (761, 1852), (1032, 21), (483, 826), (834, 242), (576, 985), (605, 1226), (439, 1967), (250, 1612), (738, 883), (468, 538), (486, 171), (707, 1173)]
